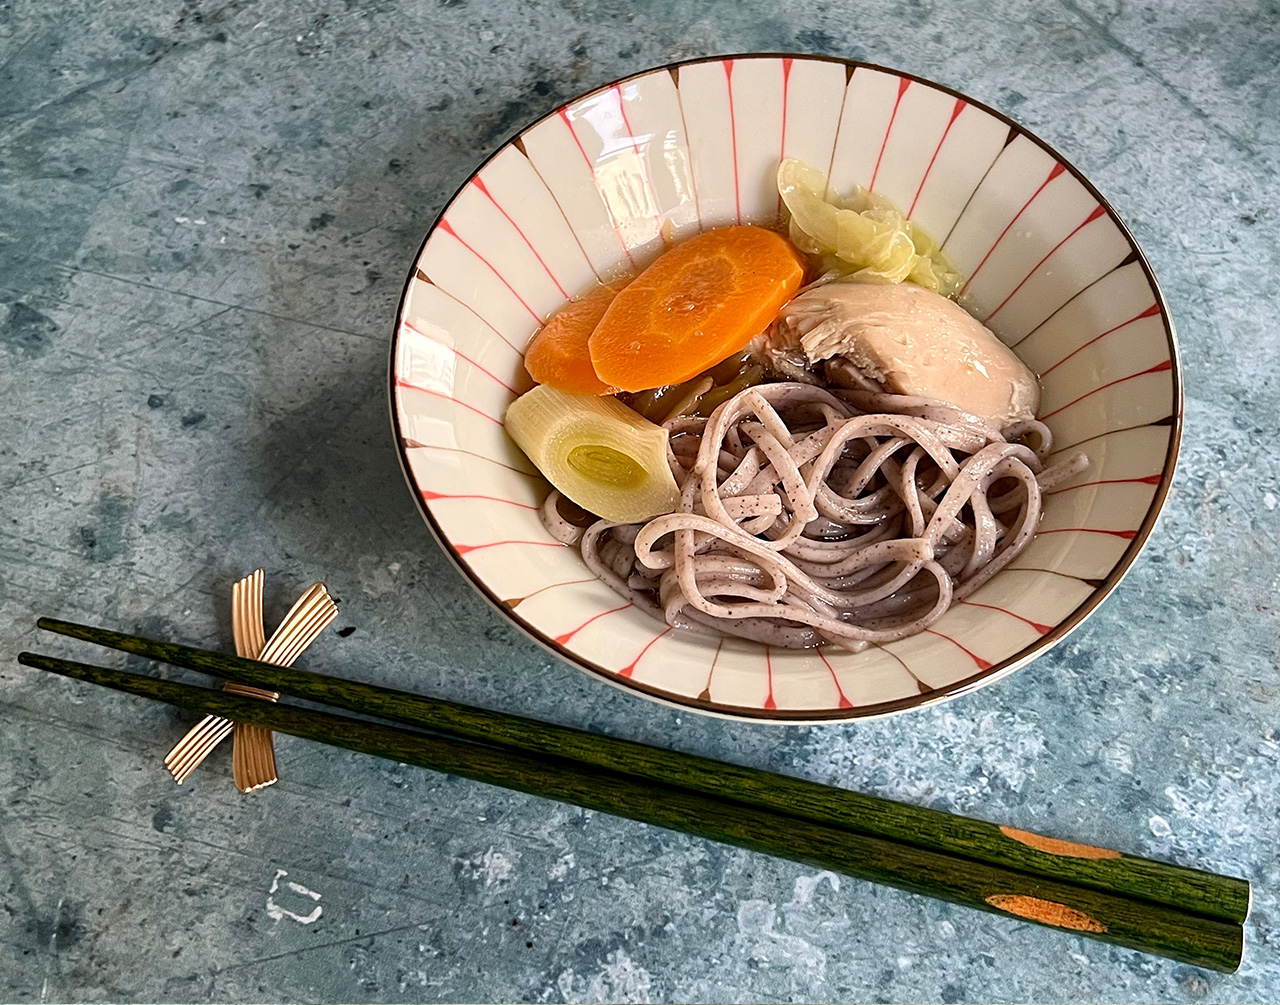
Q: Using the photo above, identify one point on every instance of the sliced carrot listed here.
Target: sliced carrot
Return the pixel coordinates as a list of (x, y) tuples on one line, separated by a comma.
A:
[(701, 301), (558, 355)]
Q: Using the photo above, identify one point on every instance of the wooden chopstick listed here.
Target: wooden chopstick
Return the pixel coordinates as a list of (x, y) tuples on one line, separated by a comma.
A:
[(1136, 924), (1184, 889)]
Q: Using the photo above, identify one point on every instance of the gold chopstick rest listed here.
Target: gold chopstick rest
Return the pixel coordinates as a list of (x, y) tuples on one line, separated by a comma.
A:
[(253, 757)]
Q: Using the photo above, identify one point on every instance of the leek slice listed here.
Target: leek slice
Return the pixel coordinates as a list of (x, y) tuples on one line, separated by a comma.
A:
[(864, 238), (599, 453)]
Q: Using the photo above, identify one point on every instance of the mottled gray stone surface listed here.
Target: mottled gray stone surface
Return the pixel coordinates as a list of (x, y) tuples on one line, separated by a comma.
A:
[(206, 212)]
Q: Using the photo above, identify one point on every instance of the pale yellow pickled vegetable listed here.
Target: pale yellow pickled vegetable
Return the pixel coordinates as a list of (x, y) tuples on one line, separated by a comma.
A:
[(599, 453), (864, 237)]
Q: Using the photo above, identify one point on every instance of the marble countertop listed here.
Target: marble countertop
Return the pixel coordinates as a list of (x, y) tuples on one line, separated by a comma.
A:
[(206, 211)]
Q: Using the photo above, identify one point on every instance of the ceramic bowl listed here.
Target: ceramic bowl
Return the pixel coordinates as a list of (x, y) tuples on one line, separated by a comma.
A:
[(597, 187)]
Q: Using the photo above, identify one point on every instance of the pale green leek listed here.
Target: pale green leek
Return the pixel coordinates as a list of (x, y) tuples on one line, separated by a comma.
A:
[(603, 456)]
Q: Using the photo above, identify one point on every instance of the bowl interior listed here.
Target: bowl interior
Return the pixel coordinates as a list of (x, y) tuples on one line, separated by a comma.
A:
[(601, 186)]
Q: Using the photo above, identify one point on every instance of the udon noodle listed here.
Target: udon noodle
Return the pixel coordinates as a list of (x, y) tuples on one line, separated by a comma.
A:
[(813, 515)]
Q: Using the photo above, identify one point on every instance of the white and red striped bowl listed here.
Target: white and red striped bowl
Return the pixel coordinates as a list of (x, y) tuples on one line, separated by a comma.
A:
[(599, 187)]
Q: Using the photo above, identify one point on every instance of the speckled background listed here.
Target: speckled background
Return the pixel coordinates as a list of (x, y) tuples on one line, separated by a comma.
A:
[(206, 211)]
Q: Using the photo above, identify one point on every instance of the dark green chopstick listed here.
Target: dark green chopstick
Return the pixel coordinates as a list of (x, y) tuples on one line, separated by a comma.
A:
[(1184, 889), (1136, 924)]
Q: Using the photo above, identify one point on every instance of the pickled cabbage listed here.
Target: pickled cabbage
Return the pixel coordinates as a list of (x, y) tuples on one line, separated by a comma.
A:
[(862, 238)]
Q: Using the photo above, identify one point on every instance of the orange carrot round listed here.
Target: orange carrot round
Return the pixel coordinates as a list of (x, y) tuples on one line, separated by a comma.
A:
[(699, 302), (558, 356)]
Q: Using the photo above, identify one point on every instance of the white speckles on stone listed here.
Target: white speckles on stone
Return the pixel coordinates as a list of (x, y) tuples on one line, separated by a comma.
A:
[(377, 576), (278, 912), (962, 755), (491, 868), (802, 893), (562, 866), (1118, 756), (1159, 826), (766, 947), (619, 979), (1214, 808), (495, 867), (1269, 500), (791, 938), (756, 916)]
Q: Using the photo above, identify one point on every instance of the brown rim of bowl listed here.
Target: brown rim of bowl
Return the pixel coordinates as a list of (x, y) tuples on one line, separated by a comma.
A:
[(820, 716)]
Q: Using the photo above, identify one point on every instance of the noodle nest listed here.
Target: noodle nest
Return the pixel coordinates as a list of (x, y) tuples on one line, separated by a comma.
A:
[(812, 516)]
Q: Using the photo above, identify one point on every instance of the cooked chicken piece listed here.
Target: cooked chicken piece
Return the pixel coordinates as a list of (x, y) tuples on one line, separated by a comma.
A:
[(906, 340)]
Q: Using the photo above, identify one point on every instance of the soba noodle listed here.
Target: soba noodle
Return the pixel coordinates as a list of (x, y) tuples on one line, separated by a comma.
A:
[(811, 516)]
